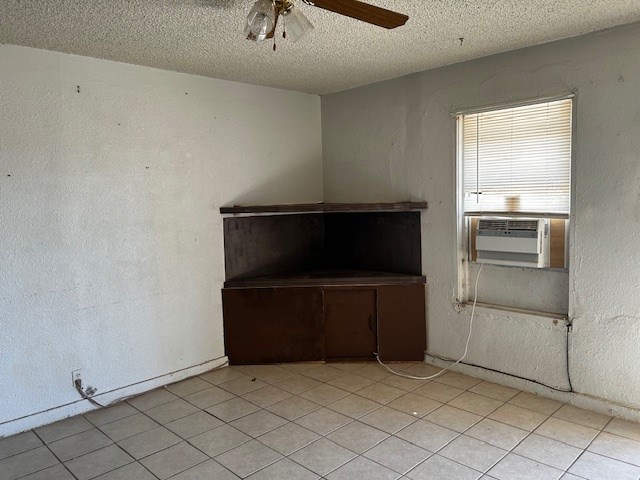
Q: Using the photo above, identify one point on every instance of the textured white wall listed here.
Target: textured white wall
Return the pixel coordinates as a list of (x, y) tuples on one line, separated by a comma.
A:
[(111, 249), (395, 140)]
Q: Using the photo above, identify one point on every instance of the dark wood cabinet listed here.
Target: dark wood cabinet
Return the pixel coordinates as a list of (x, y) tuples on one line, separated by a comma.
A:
[(294, 324), (273, 325), (323, 282), (350, 323)]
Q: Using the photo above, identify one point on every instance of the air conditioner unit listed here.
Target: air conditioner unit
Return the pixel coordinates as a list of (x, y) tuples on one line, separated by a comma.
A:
[(515, 242)]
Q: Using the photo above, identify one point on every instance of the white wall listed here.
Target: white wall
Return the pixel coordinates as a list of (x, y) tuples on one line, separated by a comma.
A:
[(395, 140), (111, 250)]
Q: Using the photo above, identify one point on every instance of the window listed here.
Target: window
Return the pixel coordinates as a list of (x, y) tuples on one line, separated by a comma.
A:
[(517, 160)]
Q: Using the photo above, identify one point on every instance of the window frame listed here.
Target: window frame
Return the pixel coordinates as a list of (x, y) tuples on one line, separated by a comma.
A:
[(462, 244)]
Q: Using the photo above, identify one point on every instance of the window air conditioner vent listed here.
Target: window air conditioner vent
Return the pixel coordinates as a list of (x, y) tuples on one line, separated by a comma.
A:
[(499, 224), (514, 242)]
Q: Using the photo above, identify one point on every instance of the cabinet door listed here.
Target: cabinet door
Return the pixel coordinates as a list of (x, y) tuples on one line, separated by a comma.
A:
[(271, 325), (402, 324), (350, 323)]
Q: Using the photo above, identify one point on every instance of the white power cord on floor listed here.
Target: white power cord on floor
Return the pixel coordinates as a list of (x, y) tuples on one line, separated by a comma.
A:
[(466, 347)]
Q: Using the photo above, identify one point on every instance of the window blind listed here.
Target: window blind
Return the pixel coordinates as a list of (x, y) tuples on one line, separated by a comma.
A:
[(518, 159)]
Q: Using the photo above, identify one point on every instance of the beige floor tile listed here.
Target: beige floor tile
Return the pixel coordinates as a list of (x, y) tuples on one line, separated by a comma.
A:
[(152, 399), (266, 396), (96, 463), (351, 383), (518, 417), (614, 446), (173, 460), (103, 416), (257, 423), (266, 373), (209, 470), (453, 418), (243, 385), (351, 424), (79, 444), (324, 373), (357, 437), (195, 424), (374, 372), (388, 419), (427, 435), (536, 403), (458, 380), (288, 438), (516, 467), (582, 417), (397, 454), (209, 397), (149, 442), (406, 384), (421, 370), (323, 421), (474, 403), (380, 392), (221, 375), (567, 432), (187, 387), (440, 468), (293, 407), (57, 472), (248, 458), (362, 468), (415, 405), (64, 428), (18, 443), (219, 440), (350, 366), (438, 391), (354, 406), (322, 456), (545, 450), (497, 434), (473, 453), (495, 391), (624, 428), (26, 462), (171, 411), (324, 394), (300, 368), (281, 470), (232, 409), (132, 471), (128, 427), (596, 467), (296, 384)]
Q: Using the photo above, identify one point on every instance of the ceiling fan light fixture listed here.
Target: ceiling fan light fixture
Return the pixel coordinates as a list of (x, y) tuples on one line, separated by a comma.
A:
[(296, 24), (260, 21)]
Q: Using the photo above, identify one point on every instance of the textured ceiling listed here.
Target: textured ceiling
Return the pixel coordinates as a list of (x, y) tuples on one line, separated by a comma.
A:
[(203, 36)]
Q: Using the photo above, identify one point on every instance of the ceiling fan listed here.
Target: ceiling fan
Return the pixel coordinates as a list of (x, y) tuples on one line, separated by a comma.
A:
[(263, 17)]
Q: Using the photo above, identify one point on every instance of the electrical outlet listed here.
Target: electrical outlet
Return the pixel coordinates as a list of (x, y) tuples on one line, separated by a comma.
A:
[(75, 376)]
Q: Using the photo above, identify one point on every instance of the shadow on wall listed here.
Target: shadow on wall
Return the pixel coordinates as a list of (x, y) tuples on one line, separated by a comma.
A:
[(293, 185)]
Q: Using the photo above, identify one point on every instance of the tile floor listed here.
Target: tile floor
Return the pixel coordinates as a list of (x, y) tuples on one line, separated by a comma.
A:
[(334, 421)]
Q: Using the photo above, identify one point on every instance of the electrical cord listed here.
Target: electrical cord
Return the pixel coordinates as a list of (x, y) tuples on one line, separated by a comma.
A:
[(466, 347), (83, 394)]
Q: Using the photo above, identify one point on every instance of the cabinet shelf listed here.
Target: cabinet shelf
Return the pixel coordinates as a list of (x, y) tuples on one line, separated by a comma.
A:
[(325, 207)]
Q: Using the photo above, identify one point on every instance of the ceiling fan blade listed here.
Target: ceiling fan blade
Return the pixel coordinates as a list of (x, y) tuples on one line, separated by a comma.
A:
[(363, 11)]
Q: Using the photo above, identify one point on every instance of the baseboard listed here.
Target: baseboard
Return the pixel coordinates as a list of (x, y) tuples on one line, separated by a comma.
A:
[(83, 406), (574, 398)]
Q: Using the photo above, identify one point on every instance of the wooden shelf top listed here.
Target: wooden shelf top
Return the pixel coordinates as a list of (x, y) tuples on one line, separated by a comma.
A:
[(326, 207), (325, 278)]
